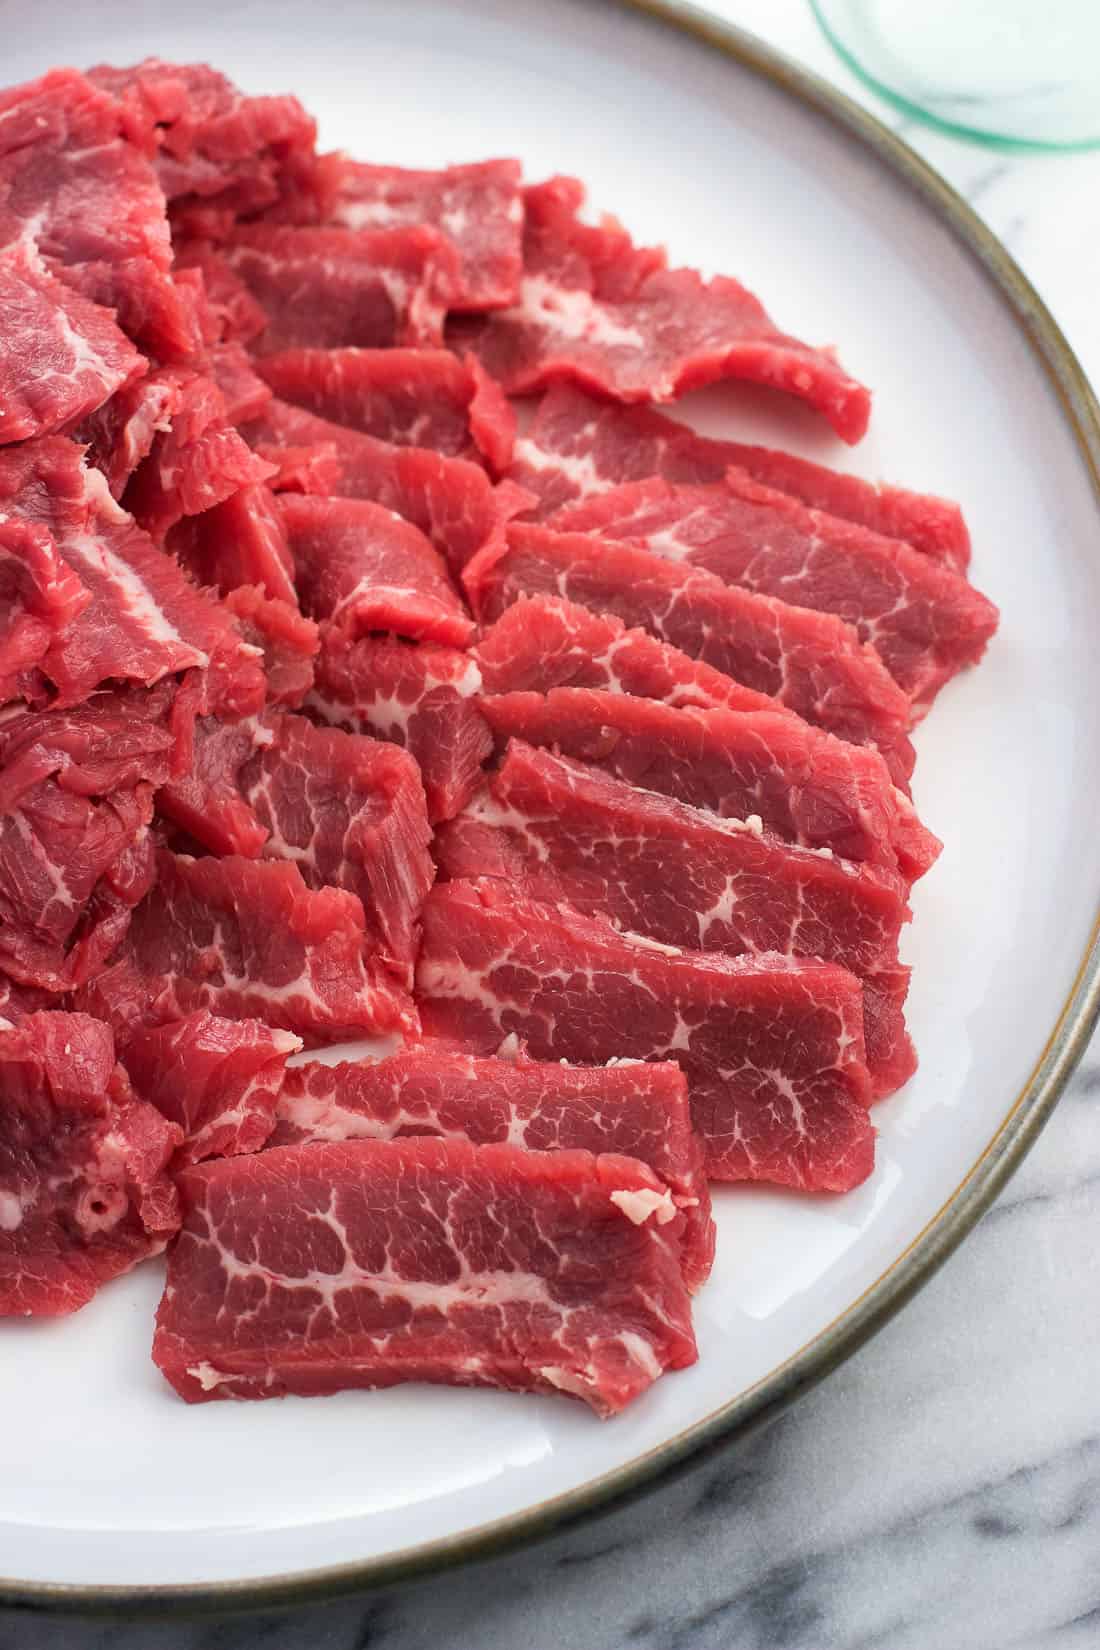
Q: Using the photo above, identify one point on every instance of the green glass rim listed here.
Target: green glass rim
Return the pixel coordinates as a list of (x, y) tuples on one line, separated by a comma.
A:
[(750, 1410), (1002, 142)]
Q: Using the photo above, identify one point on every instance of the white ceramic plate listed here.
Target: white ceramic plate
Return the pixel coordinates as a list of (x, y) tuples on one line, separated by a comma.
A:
[(108, 1481)]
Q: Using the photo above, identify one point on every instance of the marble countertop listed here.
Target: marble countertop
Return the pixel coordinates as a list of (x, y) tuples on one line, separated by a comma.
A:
[(942, 1490)]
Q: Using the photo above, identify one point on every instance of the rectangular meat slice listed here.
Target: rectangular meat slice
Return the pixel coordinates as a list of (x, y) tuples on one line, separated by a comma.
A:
[(544, 642), (211, 141), (924, 619), (478, 207), (805, 786), (452, 501), (218, 1080), (288, 641), (578, 446), (312, 1269), (75, 188), (241, 541), (63, 356), (632, 1109), (558, 831), (362, 567), (83, 1191), (143, 620), (811, 663), (420, 697), (772, 1047), (412, 397), (327, 288), (349, 812), (40, 596), (248, 939), (597, 310)]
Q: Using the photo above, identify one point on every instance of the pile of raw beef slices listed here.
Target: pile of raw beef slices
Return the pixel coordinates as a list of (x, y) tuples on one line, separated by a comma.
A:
[(575, 764)]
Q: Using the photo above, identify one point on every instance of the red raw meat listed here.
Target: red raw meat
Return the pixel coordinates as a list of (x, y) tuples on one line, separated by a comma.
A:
[(72, 185), (210, 140), (412, 397), (289, 642), (311, 1269), (349, 812), (925, 620), (772, 1048), (121, 432), (327, 288), (248, 939), (806, 786), (195, 463), (316, 470), (578, 446), (241, 541), (63, 356), (418, 696), (83, 1193), (113, 741), (811, 663), (218, 1080), (229, 313), (17, 1001), (558, 831), (479, 208), (245, 393), (598, 310), (544, 642), (632, 1109), (452, 501), (363, 567), (144, 620), (205, 800), (40, 596)]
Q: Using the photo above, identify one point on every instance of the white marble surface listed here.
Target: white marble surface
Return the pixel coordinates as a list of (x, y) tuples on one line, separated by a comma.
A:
[(942, 1490)]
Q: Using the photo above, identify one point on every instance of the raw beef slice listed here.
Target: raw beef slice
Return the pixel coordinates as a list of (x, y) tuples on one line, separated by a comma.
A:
[(311, 1269), (349, 812), (772, 1048), (925, 620), (248, 939), (363, 567), (329, 288), (83, 1192), (288, 641), (420, 697), (479, 208), (241, 541), (40, 596), (578, 446), (63, 356), (412, 397), (631, 1108), (219, 1080), (453, 502), (804, 786), (811, 663), (597, 310), (557, 831)]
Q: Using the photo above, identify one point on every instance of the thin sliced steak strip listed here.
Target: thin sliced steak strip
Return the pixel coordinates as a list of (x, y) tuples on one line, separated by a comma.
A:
[(597, 310), (772, 1048), (630, 1108), (925, 620), (248, 939), (812, 663), (578, 446), (418, 696), (805, 786), (558, 831), (311, 1269)]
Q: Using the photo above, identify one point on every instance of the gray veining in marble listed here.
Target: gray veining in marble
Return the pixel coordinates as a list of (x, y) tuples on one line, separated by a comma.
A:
[(942, 1490)]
